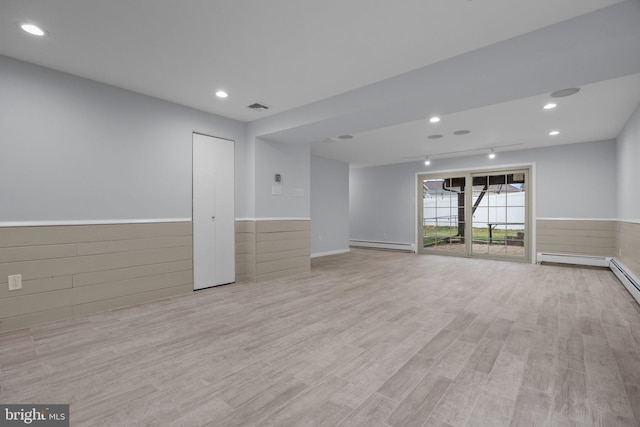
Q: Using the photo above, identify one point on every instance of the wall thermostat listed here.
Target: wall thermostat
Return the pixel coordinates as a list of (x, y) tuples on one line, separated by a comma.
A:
[(278, 178)]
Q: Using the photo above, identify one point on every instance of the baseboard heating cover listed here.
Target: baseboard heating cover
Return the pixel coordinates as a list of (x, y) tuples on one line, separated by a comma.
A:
[(409, 247), (628, 280), (596, 261)]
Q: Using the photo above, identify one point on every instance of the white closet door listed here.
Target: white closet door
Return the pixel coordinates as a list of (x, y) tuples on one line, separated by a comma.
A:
[(213, 212)]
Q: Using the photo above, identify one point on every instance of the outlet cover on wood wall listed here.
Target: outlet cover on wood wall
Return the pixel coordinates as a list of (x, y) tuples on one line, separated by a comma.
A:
[(15, 282)]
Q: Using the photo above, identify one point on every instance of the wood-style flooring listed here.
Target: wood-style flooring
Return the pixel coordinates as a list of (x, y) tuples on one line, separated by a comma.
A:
[(368, 338)]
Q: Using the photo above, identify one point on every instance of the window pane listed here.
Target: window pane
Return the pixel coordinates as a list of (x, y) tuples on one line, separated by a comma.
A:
[(443, 214)]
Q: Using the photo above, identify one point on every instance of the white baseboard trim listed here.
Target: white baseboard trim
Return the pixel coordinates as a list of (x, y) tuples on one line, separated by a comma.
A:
[(275, 219), (336, 252), (89, 222), (409, 247)]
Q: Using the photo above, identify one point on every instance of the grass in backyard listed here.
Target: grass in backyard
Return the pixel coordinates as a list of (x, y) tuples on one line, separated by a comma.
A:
[(446, 234)]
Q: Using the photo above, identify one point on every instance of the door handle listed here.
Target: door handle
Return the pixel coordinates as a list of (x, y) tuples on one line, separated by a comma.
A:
[(213, 218)]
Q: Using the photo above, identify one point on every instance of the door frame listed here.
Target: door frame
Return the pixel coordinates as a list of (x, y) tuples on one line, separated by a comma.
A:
[(193, 260), (531, 209)]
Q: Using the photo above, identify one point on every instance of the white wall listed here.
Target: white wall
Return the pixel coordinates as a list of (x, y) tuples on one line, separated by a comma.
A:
[(75, 149), (292, 162), (382, 199), (628, 169), (329, 205), (381, 203)]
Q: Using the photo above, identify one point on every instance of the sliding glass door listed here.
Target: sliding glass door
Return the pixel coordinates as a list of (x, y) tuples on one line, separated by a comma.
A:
[(475, 214)]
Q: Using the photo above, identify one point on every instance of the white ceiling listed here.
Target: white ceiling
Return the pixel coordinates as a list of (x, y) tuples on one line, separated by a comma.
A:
[(371, 68), (597, 112), (284, 53)]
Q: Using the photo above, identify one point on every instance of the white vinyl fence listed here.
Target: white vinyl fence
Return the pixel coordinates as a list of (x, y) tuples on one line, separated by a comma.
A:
[(442, 210)]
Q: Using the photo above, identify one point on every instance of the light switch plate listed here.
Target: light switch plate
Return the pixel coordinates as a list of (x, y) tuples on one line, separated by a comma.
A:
[(276, 190), (15, 282)]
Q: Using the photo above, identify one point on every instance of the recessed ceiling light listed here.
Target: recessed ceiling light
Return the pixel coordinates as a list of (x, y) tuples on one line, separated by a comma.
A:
[(427, 161), (565, 92), (550, 106), (434, 136), (346, 137), (492, 154), (221, 94), (462, 132), (434, 119), (554, 133), (32, 29)]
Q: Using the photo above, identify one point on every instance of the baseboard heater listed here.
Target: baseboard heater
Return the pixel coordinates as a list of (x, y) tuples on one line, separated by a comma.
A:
[(595, 261), (407, 247), (631, 283), (627, 279)]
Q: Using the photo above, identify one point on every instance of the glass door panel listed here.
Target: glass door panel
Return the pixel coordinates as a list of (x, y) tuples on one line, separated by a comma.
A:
[(443, 215), (499, 215)]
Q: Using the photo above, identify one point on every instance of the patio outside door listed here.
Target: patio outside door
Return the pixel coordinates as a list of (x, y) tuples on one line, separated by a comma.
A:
[(484, 215)]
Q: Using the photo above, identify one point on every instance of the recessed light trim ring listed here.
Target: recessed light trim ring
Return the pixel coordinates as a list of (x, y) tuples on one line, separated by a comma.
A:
[(32, 29)]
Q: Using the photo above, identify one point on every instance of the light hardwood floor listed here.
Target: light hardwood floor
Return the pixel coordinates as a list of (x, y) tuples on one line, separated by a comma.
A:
[(367, 338)]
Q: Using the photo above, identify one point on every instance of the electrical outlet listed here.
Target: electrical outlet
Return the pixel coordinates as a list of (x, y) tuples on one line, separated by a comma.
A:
[(15, 282)]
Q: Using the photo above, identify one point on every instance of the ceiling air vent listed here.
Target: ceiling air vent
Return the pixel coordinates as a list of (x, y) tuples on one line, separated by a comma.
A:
[(257, 106)]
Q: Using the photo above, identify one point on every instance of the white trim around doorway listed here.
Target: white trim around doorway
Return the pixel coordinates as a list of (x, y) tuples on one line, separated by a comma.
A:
[(533, 197)]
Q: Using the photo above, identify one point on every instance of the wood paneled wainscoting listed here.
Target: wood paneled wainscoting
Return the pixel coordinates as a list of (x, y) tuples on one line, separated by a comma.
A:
[(70, 270), (576, 236), (629, 245), (272, 248)]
